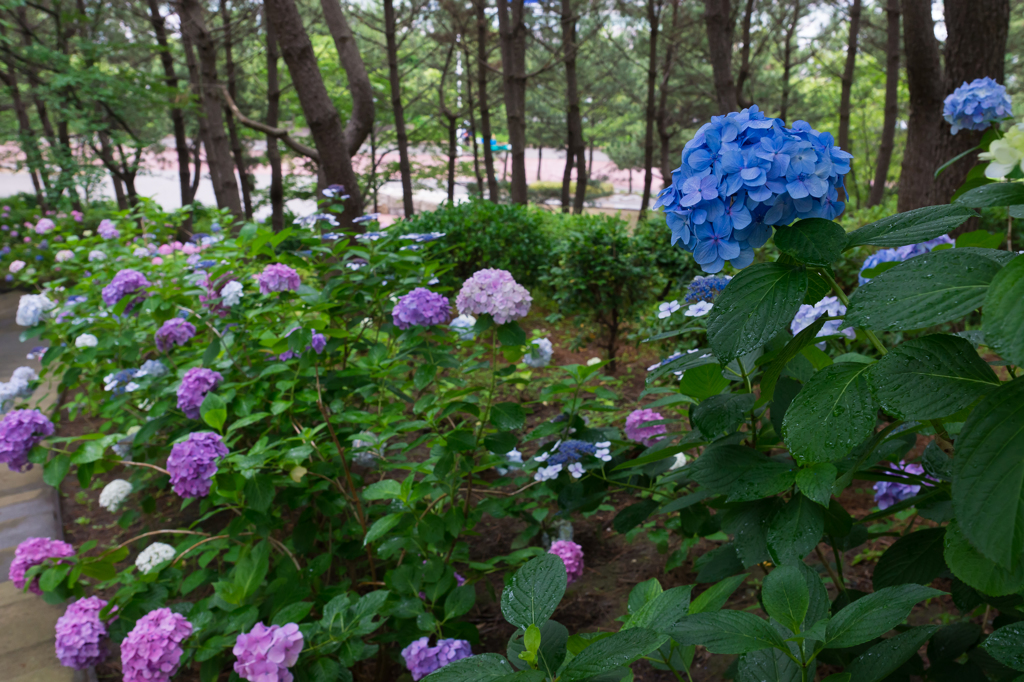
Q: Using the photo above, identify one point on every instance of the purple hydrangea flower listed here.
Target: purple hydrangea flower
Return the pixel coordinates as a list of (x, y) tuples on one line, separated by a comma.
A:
[(976, 105), (422, 659), (193, 463), (20, 431), (152, 650), (32, 552), (495, 293), (572, 451), (571, 555), (125, 282), (194, 387), (278, 277), (318, 342), (638, 433), (888, 493), (107, 230), (81, 634), (266, 653), (421, 308), (174, 332), (44, 225), (899, 255), (830, 306)]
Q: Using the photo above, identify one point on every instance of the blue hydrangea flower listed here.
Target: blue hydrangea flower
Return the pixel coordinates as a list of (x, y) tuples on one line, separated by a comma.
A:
[(976, 105), (741, 175), (899, 255), (705, 289), (572, 451)]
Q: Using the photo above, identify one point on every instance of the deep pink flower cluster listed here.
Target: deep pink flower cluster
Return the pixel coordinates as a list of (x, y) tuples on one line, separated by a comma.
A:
[(107, 230), (32, 552), (422, 659), (174, 332), (638, 433), (278, 277), (495, 293), (20, 431), (194, 386), (193, 462), (266, 653), (81, 634), (152, 650), (571, 555), (125, 282), (420, 307)]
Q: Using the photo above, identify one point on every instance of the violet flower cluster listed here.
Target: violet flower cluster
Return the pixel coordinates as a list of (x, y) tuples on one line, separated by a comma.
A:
[(265, 653), (152, 650), (647, 435), (20, 431), (494, 292), (125, 282), (976, 105), (571, 555), (107, 230), (744, 173), (193, 388), (33, 552), (900, 254), (174, 332), (193, 463), (888, 493), (421, 307), (278, 277), (82, 634), (422, 659)]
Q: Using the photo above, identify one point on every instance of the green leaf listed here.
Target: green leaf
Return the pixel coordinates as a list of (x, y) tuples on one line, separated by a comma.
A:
[(459, 601), (292, 613), (1002, 319), (767, 665), (884, 658), (381, 526), (643, 593), (703, 381), (715, 596), (508, 416), (926, 290), (251, 569), (995, 194), (500, 443), (914, 558), (511, 334), (662, 612), (633, 515), (552, 650), (981, 239), (1006, 645), (727, 632), (815, 482), (911, 227), (55, 469), (833, 413), (388, 489), (974, 569), (786, 597), (758, 303), (213, 410), (211, 352), (930, 377), (481, 668), (795, 530), (607, 653), (534, 591), (687, 361), (988, 475), (814, 241), (461, 440), (741, 473), (721, 413), (259, 492), (874, 615), (771, 375)]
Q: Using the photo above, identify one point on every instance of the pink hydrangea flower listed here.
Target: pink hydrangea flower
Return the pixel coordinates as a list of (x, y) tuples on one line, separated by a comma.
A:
[(20, 431), (194, 386), (81, 634), (44, 225), (266, 653), (174, 332), (152, 650), (278, 277), (647, 435), (193, 463), (495, 293), (421, 308), (165, 249), (571, 555), (32, 552), (422, 659)]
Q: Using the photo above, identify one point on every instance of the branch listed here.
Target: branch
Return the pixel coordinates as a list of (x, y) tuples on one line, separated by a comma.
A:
[(279, 133)]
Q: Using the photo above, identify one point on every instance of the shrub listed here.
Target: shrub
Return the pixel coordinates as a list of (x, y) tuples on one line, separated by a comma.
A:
[(539, 192)]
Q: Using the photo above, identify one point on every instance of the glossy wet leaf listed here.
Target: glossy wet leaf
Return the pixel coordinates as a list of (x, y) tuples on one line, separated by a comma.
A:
[(1006, 645), (814, 241), (727, 632), (481, 668), (795, 530), (914, 558), (721, 414), (911, 227), (833, 413), (785, 596), (703, 381), (622, 648), (534, 591), (994, 194), (741, 473), (767, 665), (884, 658), (874, 615), (816, 480), (1002, 319), (974, 569)]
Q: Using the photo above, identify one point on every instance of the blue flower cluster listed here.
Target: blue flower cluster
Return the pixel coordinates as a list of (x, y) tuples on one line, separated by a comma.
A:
[(572, 451), (705, 289), (741, 174), (975, 105), (899, 255)]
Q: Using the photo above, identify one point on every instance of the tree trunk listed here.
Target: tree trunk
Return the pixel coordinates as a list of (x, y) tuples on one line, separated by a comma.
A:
[(744, 74), (470, 108), (662, 115), (653, 18), (848, 71), (570, 159), (321, 114), (453, 153), (540, 159), (892, 85), (177, 115), (26, 139), (573, 118), (719, 23), (360, 122), (482, 25), (273, 112), (218, 148), (390, 28), (513, 65), (237, 151), (787, 61)]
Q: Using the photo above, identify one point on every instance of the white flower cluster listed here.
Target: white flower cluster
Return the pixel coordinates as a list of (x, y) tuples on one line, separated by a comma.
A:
[(17, 387), (540, 353), (86, 341), (153, 556), (95, 255), (151, 368), (114, 494), (231, 294), (31, 308), (463, 326), (604, 449)]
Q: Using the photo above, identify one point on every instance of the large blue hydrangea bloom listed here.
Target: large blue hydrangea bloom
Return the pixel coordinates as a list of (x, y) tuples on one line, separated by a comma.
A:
[(975, 105), (743, 173)]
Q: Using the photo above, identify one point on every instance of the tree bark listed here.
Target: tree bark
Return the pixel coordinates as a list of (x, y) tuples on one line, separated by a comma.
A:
[(237, 151), (848, 72), (482, 26), (273, 112), (26, 139), (471, 112), (744, 74), (321, 114), (570, 159), (218, 148), (512, 28), (360, 122), (662, 116), (404, 169), (892, 85), (653, 18), (177, 115), (719, 23), (574, 121), (787, 60)]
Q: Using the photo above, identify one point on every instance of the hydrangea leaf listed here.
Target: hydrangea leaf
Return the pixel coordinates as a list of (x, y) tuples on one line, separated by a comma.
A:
[(482, 668), (994, 194), (1003, 316), (833, 413), (881, 660), (795, 530), (534, 592), (814, 241), (607, 653), (727, 632), (741, 473), (1005, 645), (874, 615), (911, 227), (975, 570), (915, 558), (786, 597)]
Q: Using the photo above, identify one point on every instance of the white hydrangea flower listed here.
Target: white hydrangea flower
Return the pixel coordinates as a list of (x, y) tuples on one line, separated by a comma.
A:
[(232, 293), (64, 255), (140, 252), (699, 309), (24, 375), (31, 308), (114, 494), (666, 309), (514, 459), (680, 461), (593, 361), (154, 555), (151, 368), (86, 341), (603, 451), (548, 473), (96, 254), (463, 326), (576, 470), (540, 353)]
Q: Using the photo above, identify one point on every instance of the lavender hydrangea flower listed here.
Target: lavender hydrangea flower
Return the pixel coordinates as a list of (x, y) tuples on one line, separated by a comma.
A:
[(107, 230), (193, 463), (495, 293), (194, 387), (125, 282), (421, 307), (463, 326), (81, 634), (876, 259), (912, 250), (647, 435), (174, 332), (888, 493), (33, 552), (318, 342), (152, 650), (20, 431), (44, 225), (266, 653), (830, 306), (31, 308), (278, 277), (539, 354), (422, 659), (571, 555), (901, 254), (976, 105)]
